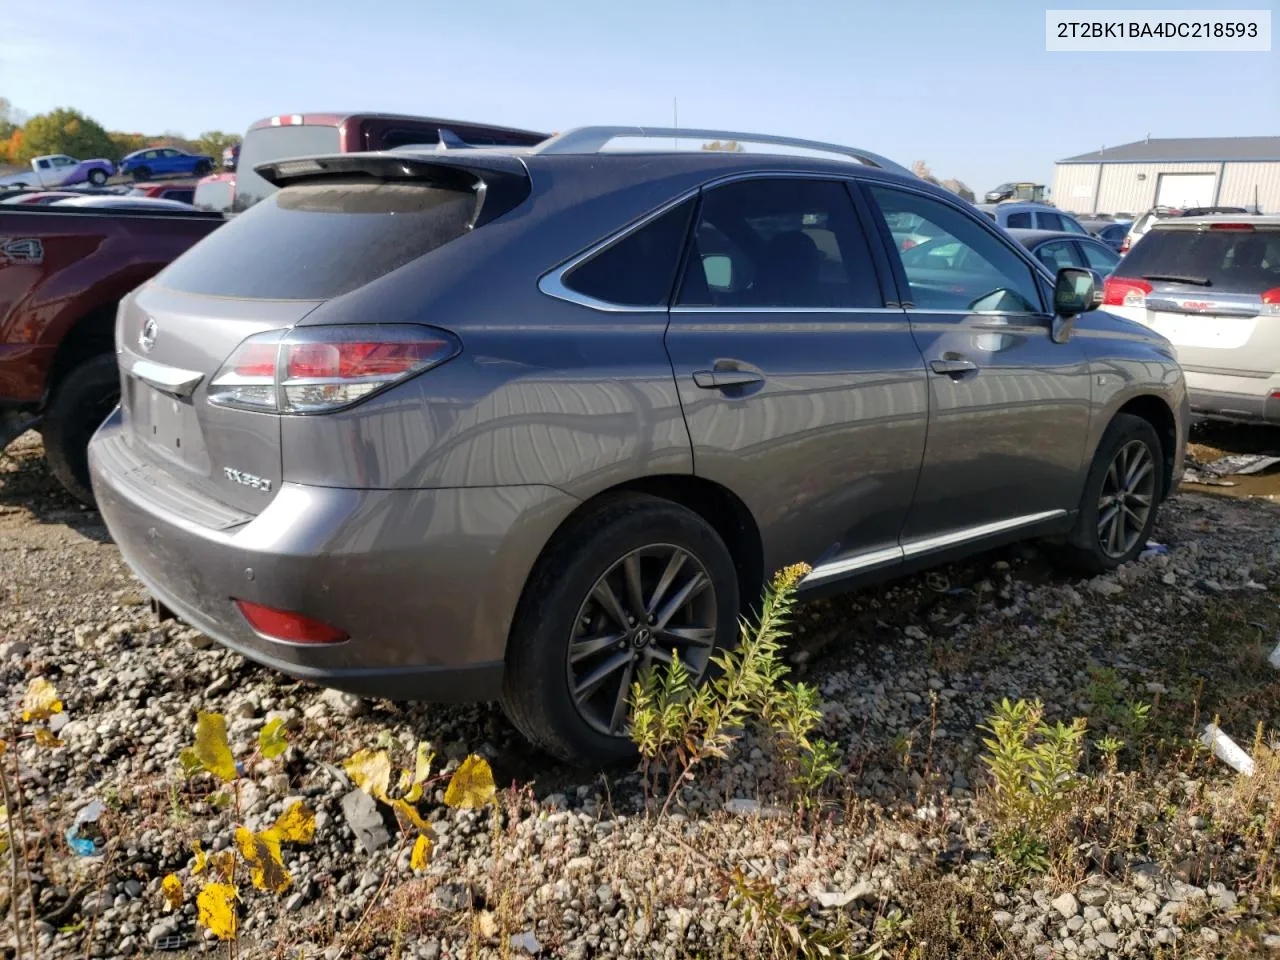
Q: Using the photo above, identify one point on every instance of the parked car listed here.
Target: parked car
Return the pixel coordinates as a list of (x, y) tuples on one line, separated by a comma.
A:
[(182, 192), (1022, 190), (215, 192), (1031, 216), (64, 271), (37, 197), (1057, 249), (1208, 211), (1211, 285), (230, 157), (59, 170), (1143, 223), (531, 420), (1110, 231), (312, 134), (165, 162)]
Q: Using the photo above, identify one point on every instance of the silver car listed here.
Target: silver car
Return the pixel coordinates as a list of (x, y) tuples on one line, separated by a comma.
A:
[(522, 423)]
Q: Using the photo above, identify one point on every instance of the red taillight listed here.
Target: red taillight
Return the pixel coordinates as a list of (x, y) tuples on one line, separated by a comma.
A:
[(325, 368), (1124, 292), (288, 627), (1231, 226), (908, 244), (1271, 301), (1124, 244)]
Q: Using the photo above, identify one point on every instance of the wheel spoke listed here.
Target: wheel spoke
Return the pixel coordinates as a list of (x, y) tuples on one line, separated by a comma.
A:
[(657, 653), (635, 594), (1139, 521), (697, 583), (580, 649), (689, 636), (1105, 517), (668, 577), (592, 681), (1112, 483), (609, 600), (1113, 539), (1140, 498), (1137, 473), (620, 703)]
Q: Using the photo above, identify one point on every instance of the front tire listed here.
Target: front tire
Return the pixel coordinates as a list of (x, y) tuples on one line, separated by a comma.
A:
[(81, 401), (1122, 495), (616, 590)]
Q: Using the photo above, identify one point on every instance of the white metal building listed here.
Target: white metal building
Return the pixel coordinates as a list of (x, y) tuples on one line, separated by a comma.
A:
[(1195, 172)]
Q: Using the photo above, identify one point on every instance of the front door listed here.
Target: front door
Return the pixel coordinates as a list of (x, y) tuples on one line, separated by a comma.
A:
[(803, 391), (1009, 407)]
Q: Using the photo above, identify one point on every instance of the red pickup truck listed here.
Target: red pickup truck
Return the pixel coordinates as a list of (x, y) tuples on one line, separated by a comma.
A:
[(62, 273)]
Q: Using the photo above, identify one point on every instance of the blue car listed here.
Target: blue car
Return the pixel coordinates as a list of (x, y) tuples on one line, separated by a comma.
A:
[(165, 162)]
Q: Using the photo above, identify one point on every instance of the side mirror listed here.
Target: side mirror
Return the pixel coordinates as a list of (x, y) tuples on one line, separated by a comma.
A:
[(1075, 291)]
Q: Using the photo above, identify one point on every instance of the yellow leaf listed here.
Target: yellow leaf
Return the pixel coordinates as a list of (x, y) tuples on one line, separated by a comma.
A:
[(261, 851), (223, 864), (202, 860), (422, 762), (3, 747), (471, 785), (296, 825), (190, 762), (216, 909), (370, 770), (40, 702), (421, 853), (172, 888), (410, 813), (45, 738), (211, 747), (271, 741)]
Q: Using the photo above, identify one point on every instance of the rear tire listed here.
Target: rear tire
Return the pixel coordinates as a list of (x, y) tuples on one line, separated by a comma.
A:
[(83, 399), (97, 177), (142, 173), (1118, 507), (559, 608), (204, 168)]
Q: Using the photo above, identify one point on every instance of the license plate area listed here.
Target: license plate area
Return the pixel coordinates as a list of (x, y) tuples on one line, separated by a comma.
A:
[(1209, 331), (167, 426)]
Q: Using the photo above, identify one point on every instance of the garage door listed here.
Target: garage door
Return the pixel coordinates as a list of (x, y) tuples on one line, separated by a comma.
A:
[(1184, 190)]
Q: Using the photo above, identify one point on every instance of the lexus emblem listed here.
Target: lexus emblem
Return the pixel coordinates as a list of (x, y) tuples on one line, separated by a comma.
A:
[(147, 338)]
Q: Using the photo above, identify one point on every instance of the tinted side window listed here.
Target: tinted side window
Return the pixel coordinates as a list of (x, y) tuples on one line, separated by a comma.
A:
[(778, 242), (638, 270), (1050, 221), (1100, 258), (979, 270), (1070, 225), (1019, 221), (1057, 254)]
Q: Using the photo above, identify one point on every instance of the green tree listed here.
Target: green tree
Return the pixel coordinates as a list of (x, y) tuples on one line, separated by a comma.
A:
[(213, 142), (64, 131)]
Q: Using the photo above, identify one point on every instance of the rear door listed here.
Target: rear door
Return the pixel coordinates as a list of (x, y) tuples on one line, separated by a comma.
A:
[(1009, 408), (802, 388)]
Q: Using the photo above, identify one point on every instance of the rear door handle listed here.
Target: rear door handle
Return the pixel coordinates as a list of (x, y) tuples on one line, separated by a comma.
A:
[(720, 379), (952, 367)]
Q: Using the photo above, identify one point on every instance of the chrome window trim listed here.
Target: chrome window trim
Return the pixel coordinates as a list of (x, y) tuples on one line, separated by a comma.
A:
[(786, 310), (552, 282), (980, 313), (915, 548)]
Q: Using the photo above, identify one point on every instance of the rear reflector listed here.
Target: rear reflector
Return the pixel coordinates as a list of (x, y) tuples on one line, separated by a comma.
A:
[(1271, 301), (288, 627), (1123, 292)]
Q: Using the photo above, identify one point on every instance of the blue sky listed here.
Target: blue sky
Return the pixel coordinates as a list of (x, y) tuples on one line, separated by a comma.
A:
[(967, 87)]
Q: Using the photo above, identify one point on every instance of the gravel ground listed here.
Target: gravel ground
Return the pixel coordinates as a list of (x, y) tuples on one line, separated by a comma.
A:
[(901, 856)]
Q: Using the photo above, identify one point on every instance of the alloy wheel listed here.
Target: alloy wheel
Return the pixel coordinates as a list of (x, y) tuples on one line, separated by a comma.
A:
[(655, 602), (1128, 492)]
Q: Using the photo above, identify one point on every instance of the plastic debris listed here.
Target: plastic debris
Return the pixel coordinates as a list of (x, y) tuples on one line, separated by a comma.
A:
[(1153, 549), (743, 807), (1240, 465), (1274, 659), (1227, 750), (89, 813)]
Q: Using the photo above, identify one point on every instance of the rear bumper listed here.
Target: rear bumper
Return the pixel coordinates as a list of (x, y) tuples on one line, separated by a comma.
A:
[(1222, 396), (425, 582)]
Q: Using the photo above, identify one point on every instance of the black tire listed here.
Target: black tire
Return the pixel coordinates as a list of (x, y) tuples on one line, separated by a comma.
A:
[(536, 692), (98, 177), (204, 168), (1085, 550), (80, 403), (141, 173)]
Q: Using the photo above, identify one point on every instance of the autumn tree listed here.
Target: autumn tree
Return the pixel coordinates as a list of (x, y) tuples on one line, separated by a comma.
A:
[(727, 146), (213, 142), (63, 131)]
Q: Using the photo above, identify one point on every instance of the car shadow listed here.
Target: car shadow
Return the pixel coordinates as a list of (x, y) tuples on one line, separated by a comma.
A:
[(27, 484)]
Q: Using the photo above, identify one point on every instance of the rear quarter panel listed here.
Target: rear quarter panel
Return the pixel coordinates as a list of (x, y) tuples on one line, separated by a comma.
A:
[(89, 262)]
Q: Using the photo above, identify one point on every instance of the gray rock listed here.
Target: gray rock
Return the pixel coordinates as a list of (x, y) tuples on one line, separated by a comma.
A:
[(1075, 923), (429, 950), (1066, 904), (1209, 935), (836, 899), (133, 888), (14, 650), (344, 704), (160, 930), (1108, 941), (1105, 587), (1272, 942), (1002, 918), (1093, 896), (365, 820), (525, 941), (126, 946)]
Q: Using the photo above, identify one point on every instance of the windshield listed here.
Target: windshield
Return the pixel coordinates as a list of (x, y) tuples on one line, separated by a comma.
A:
[(1230, 261), (268, 144)]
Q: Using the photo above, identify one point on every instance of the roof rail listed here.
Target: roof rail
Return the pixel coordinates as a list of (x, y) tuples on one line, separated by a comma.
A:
[(593, 140)]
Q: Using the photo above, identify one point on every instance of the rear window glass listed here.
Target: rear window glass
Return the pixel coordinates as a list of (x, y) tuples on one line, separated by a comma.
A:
[(214, 195), (1233, 261), (640, 269), (315, 241), (268, 144)]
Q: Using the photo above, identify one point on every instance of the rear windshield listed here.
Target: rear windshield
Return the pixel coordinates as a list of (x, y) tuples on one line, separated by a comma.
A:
[(315, 241), (214, 195), (268, 144), (1231, 261)]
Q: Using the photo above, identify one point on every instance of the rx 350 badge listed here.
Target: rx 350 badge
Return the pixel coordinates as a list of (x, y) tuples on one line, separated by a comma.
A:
[(261, 484), (21, 250)]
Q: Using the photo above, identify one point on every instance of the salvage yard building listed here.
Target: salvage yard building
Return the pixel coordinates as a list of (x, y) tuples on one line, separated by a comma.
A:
[(1193, 172)]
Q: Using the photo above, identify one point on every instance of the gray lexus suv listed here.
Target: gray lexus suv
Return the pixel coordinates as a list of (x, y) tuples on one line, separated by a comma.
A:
[(519, 423)]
